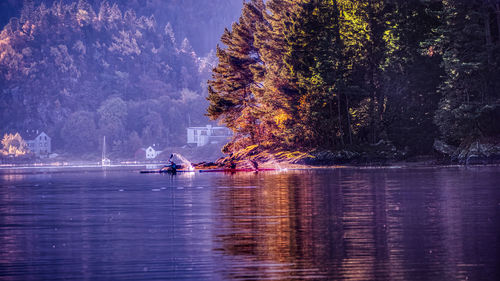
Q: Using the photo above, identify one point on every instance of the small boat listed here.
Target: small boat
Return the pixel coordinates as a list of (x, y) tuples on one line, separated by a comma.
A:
[(230, 170), (169, 170), (166, 170)]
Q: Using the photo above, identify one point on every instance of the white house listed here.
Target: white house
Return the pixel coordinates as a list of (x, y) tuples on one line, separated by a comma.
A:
[(206, 135), (38, 143), (151, 153)]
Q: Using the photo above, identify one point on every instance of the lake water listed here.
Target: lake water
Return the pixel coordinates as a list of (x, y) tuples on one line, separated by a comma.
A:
[(332, 224)]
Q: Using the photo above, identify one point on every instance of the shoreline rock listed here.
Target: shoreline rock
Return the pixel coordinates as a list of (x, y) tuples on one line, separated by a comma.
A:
[(470, 152), (384, 153), (381, 153)]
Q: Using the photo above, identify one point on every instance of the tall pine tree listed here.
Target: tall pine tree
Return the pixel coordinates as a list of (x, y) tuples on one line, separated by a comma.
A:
[(470, 100), (314, 58), (231, 94)]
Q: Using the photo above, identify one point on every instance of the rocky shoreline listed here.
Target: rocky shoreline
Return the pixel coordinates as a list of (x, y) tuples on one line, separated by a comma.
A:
[(470, 152), (473, 152)]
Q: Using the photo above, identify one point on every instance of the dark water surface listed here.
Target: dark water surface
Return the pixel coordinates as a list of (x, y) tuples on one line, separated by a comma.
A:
[(337, 224)]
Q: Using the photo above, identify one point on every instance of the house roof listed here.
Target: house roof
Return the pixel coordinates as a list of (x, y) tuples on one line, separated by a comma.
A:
[(31, 134)]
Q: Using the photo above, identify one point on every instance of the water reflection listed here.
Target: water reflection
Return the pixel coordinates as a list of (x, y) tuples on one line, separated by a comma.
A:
[(12, 177), (342, 224), (356, 225)]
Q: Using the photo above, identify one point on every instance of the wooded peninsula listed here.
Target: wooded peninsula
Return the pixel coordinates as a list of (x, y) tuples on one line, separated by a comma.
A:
[(346, 79)]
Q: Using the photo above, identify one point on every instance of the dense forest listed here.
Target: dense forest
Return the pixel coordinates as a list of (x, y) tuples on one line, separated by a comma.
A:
[(81, 70), (336, 75), (346, 74)]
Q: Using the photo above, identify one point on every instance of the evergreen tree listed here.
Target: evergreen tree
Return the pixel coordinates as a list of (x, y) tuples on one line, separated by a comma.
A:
[(314, 59), (231, 88), (410, 77), (278, 93), (471, 62), (362, 28), (375, 11)]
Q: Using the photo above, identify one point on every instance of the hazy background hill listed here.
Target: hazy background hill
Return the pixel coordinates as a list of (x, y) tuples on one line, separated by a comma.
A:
[(202, 22), (134, 71)]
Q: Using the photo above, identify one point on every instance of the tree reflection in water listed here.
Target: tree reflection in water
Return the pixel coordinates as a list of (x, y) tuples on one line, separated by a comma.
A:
[(346, 224)]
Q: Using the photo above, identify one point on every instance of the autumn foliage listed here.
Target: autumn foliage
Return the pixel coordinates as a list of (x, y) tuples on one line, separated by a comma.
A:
[(13, 145)]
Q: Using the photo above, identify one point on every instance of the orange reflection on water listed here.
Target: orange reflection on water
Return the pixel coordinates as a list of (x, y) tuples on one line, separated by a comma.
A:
[(274, 224), (12, 177), (343, 226)]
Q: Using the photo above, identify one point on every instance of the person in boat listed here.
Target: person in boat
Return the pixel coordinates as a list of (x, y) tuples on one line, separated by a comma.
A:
[(172, 164), (171, 167)]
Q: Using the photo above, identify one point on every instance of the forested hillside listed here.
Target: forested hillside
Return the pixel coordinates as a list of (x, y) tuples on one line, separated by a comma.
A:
[(346, 74), (80, 70), (202, 22)]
